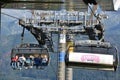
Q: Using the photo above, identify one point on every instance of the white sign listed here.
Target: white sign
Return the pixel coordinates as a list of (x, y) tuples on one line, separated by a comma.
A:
[(62, 38), (91, 58)]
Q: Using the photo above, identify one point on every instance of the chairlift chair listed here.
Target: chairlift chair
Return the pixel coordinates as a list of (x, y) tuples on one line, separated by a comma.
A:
[(91, 54), (28, 49)]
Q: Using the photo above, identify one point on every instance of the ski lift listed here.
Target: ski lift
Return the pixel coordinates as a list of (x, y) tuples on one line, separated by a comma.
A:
[(34, 50), (90, 54)]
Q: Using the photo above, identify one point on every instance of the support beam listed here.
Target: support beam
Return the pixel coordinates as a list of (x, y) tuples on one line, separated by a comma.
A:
[(62, 51)]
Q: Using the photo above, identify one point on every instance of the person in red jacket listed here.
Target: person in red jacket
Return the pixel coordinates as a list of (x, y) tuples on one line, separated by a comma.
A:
[(14, 62)]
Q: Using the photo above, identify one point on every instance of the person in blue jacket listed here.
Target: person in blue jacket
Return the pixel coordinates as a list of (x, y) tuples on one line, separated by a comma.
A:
[(37, 62)]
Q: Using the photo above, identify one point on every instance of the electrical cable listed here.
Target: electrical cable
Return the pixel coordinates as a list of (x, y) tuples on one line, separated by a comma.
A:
[(92, 11), (6, 15), (10, 16), (94, 14)]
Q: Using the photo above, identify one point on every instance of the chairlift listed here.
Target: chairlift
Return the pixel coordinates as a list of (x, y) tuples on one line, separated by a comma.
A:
[(34, 50), (88, 55)]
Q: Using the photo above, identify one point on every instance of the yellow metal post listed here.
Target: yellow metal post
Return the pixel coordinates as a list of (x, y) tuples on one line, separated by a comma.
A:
[(69, 71)]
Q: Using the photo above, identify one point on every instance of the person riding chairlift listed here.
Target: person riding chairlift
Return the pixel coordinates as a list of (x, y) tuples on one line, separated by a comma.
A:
[(22, 60), (14, 62), (44, 60), (37, 62)]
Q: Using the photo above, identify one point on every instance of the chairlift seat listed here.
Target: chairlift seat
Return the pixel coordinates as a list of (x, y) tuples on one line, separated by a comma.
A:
[(92, 57), (30, 50)]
